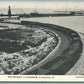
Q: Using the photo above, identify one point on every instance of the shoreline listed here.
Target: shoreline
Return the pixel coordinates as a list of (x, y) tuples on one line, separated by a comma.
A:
[(67, 58)]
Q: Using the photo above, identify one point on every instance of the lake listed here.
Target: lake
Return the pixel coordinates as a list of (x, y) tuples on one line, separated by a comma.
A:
[(73, 22)]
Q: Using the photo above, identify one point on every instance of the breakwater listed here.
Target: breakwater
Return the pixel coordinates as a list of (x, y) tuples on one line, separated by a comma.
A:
[(58, 64)]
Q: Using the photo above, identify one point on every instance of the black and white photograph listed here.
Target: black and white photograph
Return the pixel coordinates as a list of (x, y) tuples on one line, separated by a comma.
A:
[(42, 38)]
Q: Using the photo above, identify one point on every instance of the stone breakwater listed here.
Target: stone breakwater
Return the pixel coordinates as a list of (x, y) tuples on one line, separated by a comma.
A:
[(62, 58)]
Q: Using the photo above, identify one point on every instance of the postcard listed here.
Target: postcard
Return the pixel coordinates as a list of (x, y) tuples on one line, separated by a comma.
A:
[(41, 41)]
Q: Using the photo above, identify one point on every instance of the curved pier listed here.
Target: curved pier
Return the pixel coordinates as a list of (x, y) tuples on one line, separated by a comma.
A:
[(63, 57)]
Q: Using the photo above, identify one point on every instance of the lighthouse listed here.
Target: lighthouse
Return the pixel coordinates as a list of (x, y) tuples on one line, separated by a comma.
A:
[(9, 11)]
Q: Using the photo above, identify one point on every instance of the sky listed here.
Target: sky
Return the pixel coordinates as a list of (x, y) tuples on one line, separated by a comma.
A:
[(42, 4), (76, 4)]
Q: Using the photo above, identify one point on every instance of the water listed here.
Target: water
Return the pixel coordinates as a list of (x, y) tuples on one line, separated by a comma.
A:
[(73, 22)]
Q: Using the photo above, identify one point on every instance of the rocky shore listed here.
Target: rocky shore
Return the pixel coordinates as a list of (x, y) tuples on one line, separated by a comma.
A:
[(20, 49)]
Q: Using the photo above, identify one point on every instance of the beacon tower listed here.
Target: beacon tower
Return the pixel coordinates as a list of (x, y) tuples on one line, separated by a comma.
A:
[(9, 11)]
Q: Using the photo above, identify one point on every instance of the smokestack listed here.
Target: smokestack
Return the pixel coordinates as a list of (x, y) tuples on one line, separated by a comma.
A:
[(9, 11)]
